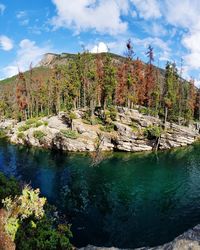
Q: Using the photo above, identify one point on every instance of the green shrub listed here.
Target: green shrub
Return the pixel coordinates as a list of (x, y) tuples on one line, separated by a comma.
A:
[(107, 118), (46, 123), (43, 234), (97, 121), (144, 110), (148, 111), (24, 128), (8, 187), (72, 116), (107, 128), (69, 133), (21, 135), (113, 113), (87, 117), (93, 121), (22, 207), (31, 121), (29, 220), (87, 121), (38, 134), (134, 127), (38, 124), (153, 132), (2, 133)]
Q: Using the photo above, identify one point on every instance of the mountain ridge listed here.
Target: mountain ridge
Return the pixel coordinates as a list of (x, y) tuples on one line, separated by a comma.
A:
[(50, 60)]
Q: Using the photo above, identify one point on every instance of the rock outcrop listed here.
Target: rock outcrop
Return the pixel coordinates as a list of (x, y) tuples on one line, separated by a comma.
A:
[(190, 240), (47, 59), (60, 132)]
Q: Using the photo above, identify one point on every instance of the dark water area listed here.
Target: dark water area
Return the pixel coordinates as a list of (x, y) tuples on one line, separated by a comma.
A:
[(130, 200)]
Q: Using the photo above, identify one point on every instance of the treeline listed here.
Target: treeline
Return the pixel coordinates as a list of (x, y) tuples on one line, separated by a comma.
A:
[(103, 81)]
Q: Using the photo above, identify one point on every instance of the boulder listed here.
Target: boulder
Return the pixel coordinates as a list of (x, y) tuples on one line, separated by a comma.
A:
[(56, 122), (8, 123)]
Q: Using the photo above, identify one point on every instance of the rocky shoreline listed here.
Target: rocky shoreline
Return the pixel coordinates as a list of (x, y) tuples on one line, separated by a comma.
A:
[(189, 240), (54, 132)]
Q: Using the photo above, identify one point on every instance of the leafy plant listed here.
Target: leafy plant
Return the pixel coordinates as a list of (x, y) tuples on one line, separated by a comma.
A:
[(31, 121), (38, 124), (43, 235), (87, 121), (97, 120), (113, 113), (38, 134), (8, 187), (108, 128), (24, 128), (72, 116), (21, 136), (153, 132), (69, 133), (46, 123), (2, 133), (29, 221), (22, 207)]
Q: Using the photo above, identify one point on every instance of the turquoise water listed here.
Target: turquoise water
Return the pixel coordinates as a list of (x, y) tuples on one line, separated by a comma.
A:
[(128, 201)]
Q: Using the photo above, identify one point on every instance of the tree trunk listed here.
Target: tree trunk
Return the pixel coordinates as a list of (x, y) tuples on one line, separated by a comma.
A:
[(166, 113)]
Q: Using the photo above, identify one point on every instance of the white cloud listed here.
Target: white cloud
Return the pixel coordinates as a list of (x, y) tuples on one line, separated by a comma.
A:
[(157, 42), (22, 16), (191, 42), (100, 48), (103, 16), (184, 14), (27, 53), (147, 8), (5, 43), (157, 30), (2, 8)]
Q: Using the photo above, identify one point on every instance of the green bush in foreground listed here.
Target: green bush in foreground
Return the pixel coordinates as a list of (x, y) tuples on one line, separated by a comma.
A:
[(29, 220), (42, 235), (22, 207), (69, 133)]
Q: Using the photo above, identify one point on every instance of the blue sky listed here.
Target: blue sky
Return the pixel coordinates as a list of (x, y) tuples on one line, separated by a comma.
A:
[(29, 29)]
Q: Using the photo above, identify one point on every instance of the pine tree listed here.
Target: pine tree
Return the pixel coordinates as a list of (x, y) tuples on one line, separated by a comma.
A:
[(151, 94), (109, 82), (169, 97), (190, 103), (21, 95), (121, 89)]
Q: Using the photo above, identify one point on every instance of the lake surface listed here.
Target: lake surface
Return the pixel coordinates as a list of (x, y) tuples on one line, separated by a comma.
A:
[(128, 201)]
